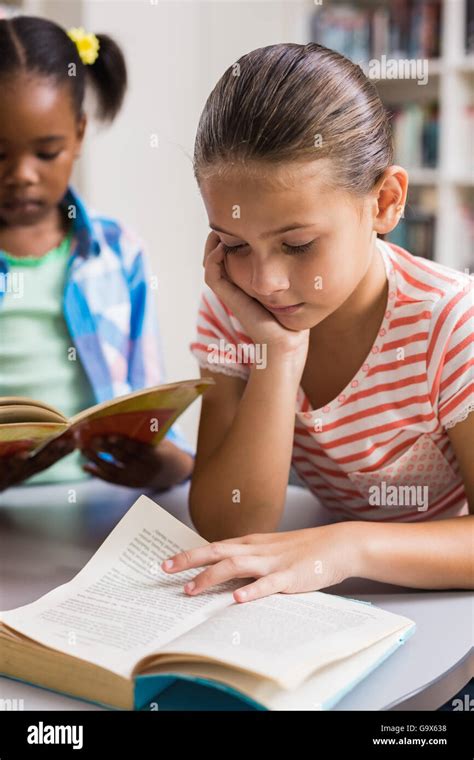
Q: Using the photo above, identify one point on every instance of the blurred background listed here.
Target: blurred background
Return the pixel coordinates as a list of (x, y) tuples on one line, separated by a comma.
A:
[(176, 50)]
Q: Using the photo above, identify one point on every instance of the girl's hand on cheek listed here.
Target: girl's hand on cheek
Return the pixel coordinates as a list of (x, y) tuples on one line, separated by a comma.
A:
[(291, 562), (259, 324)]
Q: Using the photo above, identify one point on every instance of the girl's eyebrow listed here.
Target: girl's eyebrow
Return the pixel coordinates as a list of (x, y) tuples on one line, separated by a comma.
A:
[(293, 226), (47, 139)]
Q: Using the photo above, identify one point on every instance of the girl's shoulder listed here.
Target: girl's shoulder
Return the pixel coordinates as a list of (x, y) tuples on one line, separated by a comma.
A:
[(431, 312), (423, 284), (117, 238), (109, 237)]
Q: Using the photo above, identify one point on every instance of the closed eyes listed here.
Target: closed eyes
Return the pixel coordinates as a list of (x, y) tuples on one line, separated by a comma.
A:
[(48, 156), (290, 249), (42, 156)]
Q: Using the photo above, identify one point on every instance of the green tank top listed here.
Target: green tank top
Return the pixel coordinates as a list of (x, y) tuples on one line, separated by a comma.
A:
[(37, 355)]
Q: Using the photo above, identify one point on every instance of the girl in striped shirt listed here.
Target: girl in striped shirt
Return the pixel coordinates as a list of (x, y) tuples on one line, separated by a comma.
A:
[(331, 349)]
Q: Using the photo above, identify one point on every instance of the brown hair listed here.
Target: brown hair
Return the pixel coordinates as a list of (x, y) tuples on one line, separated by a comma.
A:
[(273, 103)]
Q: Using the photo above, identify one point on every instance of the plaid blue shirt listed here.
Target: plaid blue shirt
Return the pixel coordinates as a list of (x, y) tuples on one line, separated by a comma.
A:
[(109, 309)]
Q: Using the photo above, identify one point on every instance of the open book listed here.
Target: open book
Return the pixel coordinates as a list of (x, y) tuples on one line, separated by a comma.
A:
[(123, 633), (146, 415)]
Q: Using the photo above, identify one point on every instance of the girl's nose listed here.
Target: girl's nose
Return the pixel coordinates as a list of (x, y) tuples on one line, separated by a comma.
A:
[(269, 278), (21, 172)]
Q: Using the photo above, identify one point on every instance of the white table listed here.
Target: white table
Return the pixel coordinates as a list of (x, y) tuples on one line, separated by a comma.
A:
[(46, 537)]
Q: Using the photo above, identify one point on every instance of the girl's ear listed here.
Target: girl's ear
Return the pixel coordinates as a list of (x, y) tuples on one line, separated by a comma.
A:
[(81, 129), (390, 199)]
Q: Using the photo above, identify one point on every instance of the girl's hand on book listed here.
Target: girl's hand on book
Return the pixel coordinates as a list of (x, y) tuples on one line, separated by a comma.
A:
[(288, 563), (18, 467), (135, 464), (259, 323)]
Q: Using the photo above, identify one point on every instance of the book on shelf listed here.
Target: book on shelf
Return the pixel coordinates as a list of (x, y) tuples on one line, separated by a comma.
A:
[(466, 234), (415, 233), (123, 633), (415, 128), (399, 29), (469, 27)]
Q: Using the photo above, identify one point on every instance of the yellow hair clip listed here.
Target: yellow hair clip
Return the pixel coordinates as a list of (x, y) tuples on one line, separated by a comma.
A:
[(87, 44)]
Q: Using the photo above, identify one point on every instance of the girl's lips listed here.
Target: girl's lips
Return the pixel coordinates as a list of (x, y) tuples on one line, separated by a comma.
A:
[(285, 309), (23, 206)]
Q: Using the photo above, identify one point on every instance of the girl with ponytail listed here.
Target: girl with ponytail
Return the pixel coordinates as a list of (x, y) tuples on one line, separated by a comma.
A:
[(83, 328), (332, 350)]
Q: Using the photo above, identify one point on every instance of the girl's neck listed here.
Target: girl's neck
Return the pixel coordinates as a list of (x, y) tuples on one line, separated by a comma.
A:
[(363, 309), (35, 239)]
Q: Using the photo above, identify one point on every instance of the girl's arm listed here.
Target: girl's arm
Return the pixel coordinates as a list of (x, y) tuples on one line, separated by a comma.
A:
[(246, 429), (244, 448), (436, 554)]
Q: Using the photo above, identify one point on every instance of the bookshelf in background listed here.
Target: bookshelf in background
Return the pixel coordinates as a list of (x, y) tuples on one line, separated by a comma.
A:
[(366, 29), (415, 128), (469, 28), (433, 123), (416, 231)]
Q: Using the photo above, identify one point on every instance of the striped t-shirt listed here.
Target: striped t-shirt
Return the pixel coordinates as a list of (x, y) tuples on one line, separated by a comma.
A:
[(380, 450)]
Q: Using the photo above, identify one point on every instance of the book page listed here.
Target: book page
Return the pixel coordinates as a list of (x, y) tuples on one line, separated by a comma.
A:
[(144, 415), (286, 637), (321, 691), (26, 401), (26, 437), (15, 414), (121, 606)]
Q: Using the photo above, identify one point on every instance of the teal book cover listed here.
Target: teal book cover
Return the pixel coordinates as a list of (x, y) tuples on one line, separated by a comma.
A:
[(165, 692)]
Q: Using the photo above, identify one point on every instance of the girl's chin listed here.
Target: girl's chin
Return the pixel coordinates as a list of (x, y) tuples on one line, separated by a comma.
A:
[(303, 319), (294, 322)]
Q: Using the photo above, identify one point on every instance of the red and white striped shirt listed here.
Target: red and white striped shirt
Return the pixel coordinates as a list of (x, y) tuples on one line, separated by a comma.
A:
[(380, 450)]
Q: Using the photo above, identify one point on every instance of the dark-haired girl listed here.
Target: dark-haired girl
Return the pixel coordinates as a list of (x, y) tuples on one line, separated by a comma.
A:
[(363, 378), (82, 327)]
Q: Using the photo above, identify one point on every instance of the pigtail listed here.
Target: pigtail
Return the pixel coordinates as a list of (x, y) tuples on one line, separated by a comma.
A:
[(31, 43), (108, 76)]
